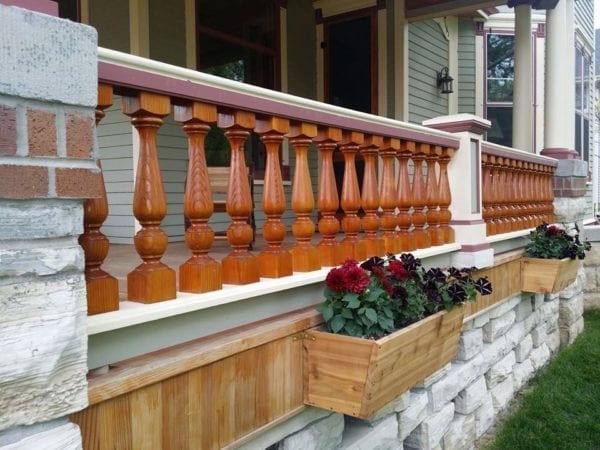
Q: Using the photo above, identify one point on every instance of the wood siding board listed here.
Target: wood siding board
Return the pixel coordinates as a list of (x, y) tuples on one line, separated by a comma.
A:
[(167, 31)]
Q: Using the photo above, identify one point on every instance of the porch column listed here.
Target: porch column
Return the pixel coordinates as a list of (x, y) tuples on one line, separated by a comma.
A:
[(559, 96), (523, 83)]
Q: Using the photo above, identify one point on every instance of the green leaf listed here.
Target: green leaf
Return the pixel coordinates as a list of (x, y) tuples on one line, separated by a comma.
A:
[(374, 294), (327, 311), (371, 315), (354, 303), (353, 329), (386, 323), (347, 314), (349, 297), (337, 323)]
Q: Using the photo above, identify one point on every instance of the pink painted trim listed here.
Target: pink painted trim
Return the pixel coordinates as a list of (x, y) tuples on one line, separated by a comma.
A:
[(180, 90), (560, 153), (475, 247), (43, 6), (472, 126), (529, 157), (467, 222)]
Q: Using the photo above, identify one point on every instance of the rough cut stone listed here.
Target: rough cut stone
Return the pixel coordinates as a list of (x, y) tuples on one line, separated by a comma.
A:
[(484, 416), (481, 320), (538, 301), (523, 349), (40, 261), (400, 403), (499, 371), (498, 327), (552, 324), (538, 335), (522, 373), (469, 344), (553, 341), (523, 309), (574, 288), (550, 308), (430, 432), (502, 394), (539, 356), (63, 437), (505, 307), (461, 433), (437, 375), (569, 334), (516, 334), (470, 398), (414, 414), (324, 434), (493, 352), (360, 435), (461, 376), (571, 310)]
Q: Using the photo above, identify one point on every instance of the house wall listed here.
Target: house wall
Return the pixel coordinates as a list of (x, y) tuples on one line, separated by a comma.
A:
[(427, 54), (584, 18), (301, 49), (466, 66), (111, 19), (167, 31)]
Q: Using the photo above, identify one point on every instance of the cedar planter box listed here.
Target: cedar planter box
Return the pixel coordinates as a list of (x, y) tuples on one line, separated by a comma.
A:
[(357, 376), (547, 275)]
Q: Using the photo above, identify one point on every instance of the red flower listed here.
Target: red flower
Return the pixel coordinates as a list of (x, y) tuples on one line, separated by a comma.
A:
[(357, 279), (553, 230), (398, 270), (336, 280)]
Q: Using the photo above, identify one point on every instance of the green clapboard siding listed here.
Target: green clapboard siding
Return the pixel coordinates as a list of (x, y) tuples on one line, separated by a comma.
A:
[(427, 54), (111, 19), (466, 66), (167, 31)]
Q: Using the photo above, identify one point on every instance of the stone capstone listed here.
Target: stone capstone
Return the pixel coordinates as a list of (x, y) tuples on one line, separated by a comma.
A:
[(324, 434)]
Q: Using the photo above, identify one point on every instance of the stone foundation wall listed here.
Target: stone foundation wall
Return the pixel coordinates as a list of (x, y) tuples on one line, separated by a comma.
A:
[(500, 350)]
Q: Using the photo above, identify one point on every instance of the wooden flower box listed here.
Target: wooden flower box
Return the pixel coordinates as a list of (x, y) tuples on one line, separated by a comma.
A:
[(357, 376), (548, 275)]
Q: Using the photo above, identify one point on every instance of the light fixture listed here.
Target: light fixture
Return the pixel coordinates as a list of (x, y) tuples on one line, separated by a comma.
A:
[(444, 81)]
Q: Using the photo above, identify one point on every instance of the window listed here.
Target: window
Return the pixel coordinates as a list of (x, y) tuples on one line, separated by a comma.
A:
[(583, 110)]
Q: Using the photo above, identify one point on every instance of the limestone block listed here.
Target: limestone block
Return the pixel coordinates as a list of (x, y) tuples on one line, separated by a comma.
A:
[(481, 320), (523, 309), (539, 356), (523, 350), (471, 397), (484, 416), (549, 309), (530, 322), (516, 334), (571, 310), (569, 333), (430, 432), (40, 261), (40, 219), (461, 432), (502, 394), (552, 324), (360, 435), (538, 301), (574, 288), (461, 376), (400, 403), (553, 340), (468, 326), (492, 353), (498, 327), (522, 373), (500, 371), (539, 335), (437, 375), (324, 434), (469, 344), (414, 414), (63, 437), (505, 307), (44, 346), (66, 50)]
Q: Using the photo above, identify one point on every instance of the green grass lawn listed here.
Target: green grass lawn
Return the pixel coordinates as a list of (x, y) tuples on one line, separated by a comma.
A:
[(562, 411)]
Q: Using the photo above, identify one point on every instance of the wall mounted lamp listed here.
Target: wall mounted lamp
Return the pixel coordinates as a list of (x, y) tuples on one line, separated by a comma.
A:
[(444, 81)]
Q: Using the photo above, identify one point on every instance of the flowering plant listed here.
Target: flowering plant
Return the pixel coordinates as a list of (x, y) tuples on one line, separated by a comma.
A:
[(556, 241), (384, 294)]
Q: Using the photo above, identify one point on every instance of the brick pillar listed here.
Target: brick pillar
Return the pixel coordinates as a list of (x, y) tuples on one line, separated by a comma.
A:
[(48, 86)]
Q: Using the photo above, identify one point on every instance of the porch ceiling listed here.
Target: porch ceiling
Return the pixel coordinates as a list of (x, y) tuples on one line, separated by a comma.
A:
[(422, 9)]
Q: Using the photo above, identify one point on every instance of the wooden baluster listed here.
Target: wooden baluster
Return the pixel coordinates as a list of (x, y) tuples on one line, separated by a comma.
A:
[(102, 288), (351, 247), (545, 194), (445, 196), (274, 261), (419, 216), (513, 196), (549, 199), (519, 200), (305, 256), (328, 200), (502, 194), (497, 190), (405, 199), (200, 273), (239, 266), (388, 195), (487, 193), (374, 244), (432, 196), (151, 281), (531, 202)]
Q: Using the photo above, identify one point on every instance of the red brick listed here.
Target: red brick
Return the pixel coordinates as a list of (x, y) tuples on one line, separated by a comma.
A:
[(8, 130), (20, 182), (78, 183), (80, 136), (41, 132)]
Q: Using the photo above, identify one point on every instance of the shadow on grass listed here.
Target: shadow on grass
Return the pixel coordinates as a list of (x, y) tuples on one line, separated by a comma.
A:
[(562, 411)]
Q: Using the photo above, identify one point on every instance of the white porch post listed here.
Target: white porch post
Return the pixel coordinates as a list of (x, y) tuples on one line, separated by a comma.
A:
[(523, 82), (559, 96)]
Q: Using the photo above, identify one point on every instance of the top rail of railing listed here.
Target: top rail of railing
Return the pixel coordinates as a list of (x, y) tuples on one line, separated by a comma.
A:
[(513, 153)]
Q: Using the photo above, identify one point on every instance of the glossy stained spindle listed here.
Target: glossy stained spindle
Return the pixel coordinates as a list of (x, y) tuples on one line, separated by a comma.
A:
[(374, 245), (388, 195), (328, 200), (432, 189), (419, 216), (487, 193), (239, 266), (274, 261), (151, 281), (102, 288), (305, 256), (405, 200), (200, 273), (351, 247), (445, 196)]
